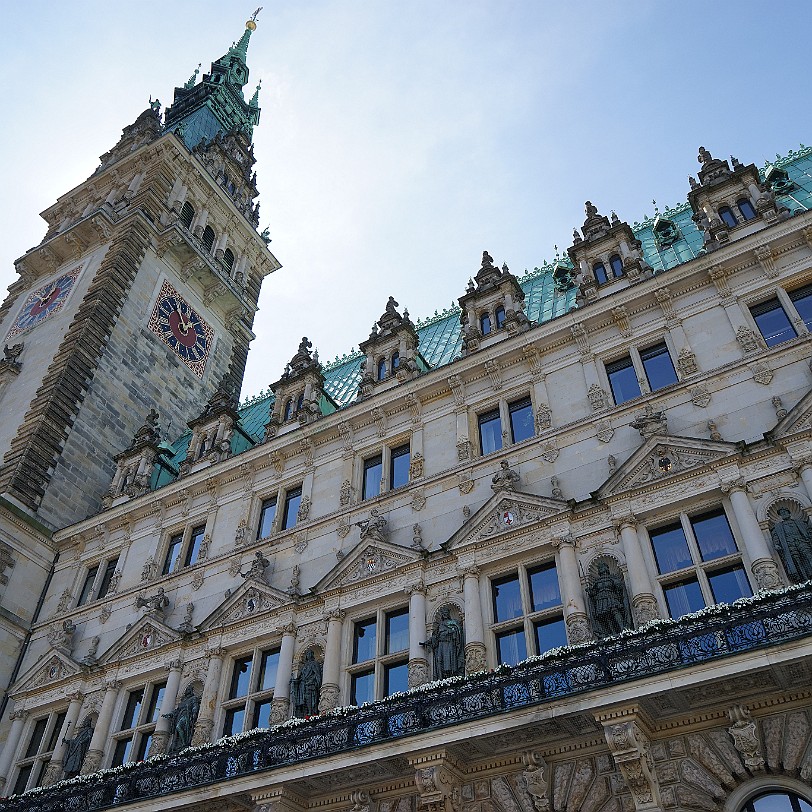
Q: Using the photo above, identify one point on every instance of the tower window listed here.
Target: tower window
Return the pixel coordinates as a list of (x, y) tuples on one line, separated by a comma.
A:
[(187, 214), (746, 209), (208, 238), (521, 420), (395, 360), (490, 431), (727, 217), (399, 461), (300, 402), (599, 272), (228, 259), (288, 409), (616, 264), (485, 324), (373, 471), (499, 315), (382, 369)]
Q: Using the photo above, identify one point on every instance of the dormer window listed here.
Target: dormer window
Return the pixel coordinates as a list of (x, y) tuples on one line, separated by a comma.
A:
[(746, 209), (499, 315), (599, 272), (208, 238), (289, 409), (395, 360), (382, 369), (727, 217), (187, 214), (616, 264), (228, 259), (485, 324), (300, 402)]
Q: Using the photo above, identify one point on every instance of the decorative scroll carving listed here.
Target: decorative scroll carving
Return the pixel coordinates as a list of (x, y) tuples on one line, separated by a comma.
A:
[(630, 750), (745, 737), (536, 775)]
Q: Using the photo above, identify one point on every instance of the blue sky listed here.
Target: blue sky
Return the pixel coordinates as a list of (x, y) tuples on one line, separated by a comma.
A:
[(399, 140)]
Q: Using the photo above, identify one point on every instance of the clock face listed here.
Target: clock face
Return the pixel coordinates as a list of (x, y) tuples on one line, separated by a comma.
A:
[(44, 302), (181, 328)]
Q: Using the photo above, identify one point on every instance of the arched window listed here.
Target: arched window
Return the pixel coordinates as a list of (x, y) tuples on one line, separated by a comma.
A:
[(485, 324), (727, 217), (187, 214), (289, 409), (746, 209), (201, 451), (208, 238), (600, 273), (228, 259), (395, 360), (616, 264), (777, 801), (499, 315), (381, 369), (300, 402)]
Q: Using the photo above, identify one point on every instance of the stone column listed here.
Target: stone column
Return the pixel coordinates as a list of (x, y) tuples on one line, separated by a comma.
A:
[(644, 604), (53, 772), (101, 733), (12, 742), (280, 705), (763, 566), (160, 738), (572, 594), (475, 652), (208, 701), (330, 690), (804, 468), (418, 665)]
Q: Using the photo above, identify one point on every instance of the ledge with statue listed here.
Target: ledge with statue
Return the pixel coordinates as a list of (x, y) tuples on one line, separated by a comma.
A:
[(769, 618)]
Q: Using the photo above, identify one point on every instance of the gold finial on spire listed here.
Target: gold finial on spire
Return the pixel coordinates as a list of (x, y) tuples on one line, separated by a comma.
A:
[(251, 25)]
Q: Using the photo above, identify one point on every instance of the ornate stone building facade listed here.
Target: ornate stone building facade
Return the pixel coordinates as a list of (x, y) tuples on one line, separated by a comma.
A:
[(549, 550)]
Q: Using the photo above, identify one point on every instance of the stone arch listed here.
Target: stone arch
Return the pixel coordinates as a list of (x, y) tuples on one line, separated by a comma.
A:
[(796, 503), (594, 556), (763, 783)]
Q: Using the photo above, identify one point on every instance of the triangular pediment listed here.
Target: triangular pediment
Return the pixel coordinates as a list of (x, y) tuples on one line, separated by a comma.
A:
[(797, 419), (52, 667), (505, 512), (369, 559), (663, 457), (250, 599), (144, 636)]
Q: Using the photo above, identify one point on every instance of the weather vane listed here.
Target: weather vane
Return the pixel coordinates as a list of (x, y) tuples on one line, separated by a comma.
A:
[(256, 13)]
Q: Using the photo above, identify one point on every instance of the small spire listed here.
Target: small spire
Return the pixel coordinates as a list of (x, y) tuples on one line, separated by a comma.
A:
[(255, 98), (193, 78)]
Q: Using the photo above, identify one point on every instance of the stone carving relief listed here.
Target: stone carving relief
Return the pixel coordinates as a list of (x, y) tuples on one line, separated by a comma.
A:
[(630, 749), (650, 423), (762, 373), (598, 399), (536, 777), (700, 396), (604, 431), (745, 737), (505, 479), (747, 340), (544, 417)]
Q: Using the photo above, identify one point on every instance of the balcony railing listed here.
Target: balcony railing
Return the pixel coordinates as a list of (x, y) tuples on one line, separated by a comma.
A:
[(724, 632)]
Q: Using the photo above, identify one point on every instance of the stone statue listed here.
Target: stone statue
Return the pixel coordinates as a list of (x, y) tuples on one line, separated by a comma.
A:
[(156, 604), (77, 748), (183, 720), (447, 647), (607, 598), (373, 528), (61, 638), (256, 572), (305, 688), (505, 479), (391, 306), (792, 538)]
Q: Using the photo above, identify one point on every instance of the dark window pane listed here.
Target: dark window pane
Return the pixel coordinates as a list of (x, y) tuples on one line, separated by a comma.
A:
[(623, 380), (22, 779), (292, 500), (395, 360), (53, 739), (773, 323), (396, 678), (36, 737), (262, 714), (507, 598), (490, 432), (266, 518), (172, 554), (397, 631), (499, 315), (363, 688), (373, 471), (131, 712), (155, 700), (684, 597), (121, 755), (670, 548), (544, 591), (143, 747), (187, 214), (616, 264), (511, 647), (600, 273), (727, 217), (521, 420), (381, 369), (107, 577), (485, 324), (746, 209), (729, 585), (208, 237), (40, 774), (233, 721), (550, 634), (659, 369), (267, 669), (300, 402), (289, 409), (194, 545), (241, 677), (364, 645), (87, 586), (802, 299), (713, 535), (399, 467)]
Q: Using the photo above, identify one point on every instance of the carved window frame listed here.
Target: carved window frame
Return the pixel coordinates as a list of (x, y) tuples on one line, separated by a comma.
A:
[(30, 767), (139, 734), (186, 533), (256, 698), (384, 451), (633, 353), (782, 300), (98, 586), (503, 406)]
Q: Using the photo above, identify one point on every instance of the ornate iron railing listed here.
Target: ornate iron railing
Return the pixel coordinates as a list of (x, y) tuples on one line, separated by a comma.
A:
[(765, 622)]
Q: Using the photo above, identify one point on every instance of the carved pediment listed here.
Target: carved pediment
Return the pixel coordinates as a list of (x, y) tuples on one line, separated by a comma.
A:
[(369, 559), (662, 457), (503, 513), (251, 599), (797, 419), (143, 637), (52, 667)]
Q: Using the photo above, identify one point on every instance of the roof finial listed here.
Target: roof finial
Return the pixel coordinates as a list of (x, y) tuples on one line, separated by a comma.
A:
[(255, 98), (656, 210), (193, 78), (251, 25)]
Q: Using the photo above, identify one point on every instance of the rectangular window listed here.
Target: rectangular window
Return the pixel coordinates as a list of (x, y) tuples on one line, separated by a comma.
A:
[(37, 735), (253, 678), (684, 597), (544, 590), (713, 535), (521, 420), (802, 299), (729, 584), (107, 577), (550, 634), (396, 678), (373, 471), (399, 462), (773, 322), (269, 662), (42, 740), (262, 714), (241, 677), (173, 554), (490, 432), (121, 755), (658, 366), (293, 499), (87, 586), (362, 688), (623, 380), (195, 542), (364, 645), (511, 647), (155, 700), (670, 548), (397, 631), (507, 599), (133, 709), (266, 517), (234, 719)]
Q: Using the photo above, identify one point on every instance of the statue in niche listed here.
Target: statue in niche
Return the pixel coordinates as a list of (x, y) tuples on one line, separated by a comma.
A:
[(305, 688), (77, 748), (446, 646), (609, 602), (792, 538), (183, 720)]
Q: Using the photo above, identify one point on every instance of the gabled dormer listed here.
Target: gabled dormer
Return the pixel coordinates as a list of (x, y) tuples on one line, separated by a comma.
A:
[(492, 307), (724, 199), (212, 431), (605, 251), (391, 351), (299, 396), (134, 465)]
